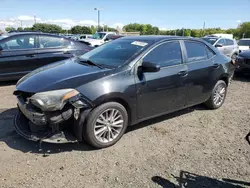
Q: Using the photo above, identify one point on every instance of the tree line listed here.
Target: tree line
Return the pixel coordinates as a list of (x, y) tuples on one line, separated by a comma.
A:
[(53, 28), (243, 30)]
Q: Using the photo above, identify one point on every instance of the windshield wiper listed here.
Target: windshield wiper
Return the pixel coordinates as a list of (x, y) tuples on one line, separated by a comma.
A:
[(91, 63)]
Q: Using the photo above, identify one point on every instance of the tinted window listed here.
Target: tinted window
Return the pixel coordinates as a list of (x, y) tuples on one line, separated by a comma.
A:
[(221, 41), (52, 42), (210, 53), (195, 51), (167, 54), (19, 43), (229, 42), (244, 42)]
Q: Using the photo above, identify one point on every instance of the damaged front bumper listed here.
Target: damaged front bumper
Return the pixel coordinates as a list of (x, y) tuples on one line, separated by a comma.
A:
[(64, 126)]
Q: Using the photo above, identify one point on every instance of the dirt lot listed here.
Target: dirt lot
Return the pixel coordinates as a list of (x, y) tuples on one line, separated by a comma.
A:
[(194, 147)]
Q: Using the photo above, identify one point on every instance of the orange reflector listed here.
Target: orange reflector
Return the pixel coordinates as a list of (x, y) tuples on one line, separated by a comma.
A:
[(70, 94)]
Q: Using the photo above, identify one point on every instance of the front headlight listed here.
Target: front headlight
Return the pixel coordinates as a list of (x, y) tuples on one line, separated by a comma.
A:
[(53, 100)]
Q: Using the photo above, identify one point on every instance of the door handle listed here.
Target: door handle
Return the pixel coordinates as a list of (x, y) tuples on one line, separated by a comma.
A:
[(31, 55), (216, 65), (183, 73)]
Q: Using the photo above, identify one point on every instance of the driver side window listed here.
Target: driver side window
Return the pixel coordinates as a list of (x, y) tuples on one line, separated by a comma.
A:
[(167, 54)]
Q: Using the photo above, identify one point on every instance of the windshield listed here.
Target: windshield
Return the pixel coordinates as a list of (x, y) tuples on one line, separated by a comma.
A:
[(244, 43), (98, 35), (115, 53), (210, 40)]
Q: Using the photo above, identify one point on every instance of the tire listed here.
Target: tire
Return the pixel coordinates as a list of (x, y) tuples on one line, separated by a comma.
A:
[(211, 102), (99, 119)]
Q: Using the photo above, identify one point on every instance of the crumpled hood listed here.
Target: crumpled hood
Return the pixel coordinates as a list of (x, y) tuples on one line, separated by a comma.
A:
[(60, 75)]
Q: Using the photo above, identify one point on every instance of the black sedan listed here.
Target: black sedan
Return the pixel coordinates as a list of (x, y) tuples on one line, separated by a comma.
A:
[(96, 96), (23, 52), (243, 62)]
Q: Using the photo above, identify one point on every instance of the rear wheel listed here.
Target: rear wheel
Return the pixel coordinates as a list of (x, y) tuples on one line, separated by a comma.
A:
[(106, 125), (218, 95)]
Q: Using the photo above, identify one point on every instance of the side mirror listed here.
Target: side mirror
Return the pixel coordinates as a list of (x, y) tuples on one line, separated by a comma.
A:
[(150, 67), (218, 45)]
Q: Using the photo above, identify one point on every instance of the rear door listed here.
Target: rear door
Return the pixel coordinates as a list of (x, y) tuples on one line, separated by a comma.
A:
[(222, 49), (200, 71), (18, 56), (230, 47), (52, 49)]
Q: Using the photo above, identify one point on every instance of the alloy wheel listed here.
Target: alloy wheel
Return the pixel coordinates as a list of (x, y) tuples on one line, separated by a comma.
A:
[(219, 94), (108, 125)]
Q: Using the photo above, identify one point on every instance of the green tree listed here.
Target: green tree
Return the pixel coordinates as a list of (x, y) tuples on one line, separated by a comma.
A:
[(81, 30), (9, 29), (244, 30), (19, 29), (27, 29), (47, 28)]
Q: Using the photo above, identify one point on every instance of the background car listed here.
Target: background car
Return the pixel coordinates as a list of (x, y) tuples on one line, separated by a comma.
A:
[(99, 38), (131, 79), (83, 37), (244, 44), (227, 46), (243, 62), (23, 52)]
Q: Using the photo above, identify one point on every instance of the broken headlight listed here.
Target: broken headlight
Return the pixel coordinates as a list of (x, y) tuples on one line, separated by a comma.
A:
[(53, 100)]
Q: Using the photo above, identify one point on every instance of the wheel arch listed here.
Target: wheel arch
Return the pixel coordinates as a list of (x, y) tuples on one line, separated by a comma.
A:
[(225, 78), (115, 97)]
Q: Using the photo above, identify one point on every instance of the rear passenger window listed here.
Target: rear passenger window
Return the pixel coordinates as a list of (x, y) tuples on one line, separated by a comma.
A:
[(195, 51), (229, 42), (167, 54), (52, 42)]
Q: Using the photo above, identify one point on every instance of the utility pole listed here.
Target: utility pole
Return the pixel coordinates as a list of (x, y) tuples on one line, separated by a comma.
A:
[(98, 17), (183, 31), (21, 23), (203, 30), (34, 19)]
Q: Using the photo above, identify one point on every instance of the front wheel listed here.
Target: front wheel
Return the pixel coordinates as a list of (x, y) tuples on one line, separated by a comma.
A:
[(105, 125), (218, 95)]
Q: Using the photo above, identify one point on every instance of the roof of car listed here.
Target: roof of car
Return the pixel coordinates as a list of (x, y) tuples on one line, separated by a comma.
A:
[(156, 38), (26, 33)]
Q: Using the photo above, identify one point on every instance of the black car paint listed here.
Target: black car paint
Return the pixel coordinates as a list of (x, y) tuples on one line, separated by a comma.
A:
[(154, 94), (243, 62), (16, 63)]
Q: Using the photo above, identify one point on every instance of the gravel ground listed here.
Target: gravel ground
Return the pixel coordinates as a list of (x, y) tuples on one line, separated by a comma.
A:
[(191, 148)]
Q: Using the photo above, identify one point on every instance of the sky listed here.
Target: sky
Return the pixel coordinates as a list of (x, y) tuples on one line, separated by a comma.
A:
[(165, 14)]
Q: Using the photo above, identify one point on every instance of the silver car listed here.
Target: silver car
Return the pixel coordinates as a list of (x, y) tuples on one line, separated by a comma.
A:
[(229, 47)]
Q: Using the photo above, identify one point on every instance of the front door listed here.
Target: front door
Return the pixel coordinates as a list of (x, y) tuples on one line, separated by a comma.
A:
[(163, 91), (18, 56)]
